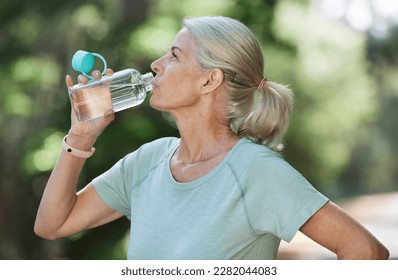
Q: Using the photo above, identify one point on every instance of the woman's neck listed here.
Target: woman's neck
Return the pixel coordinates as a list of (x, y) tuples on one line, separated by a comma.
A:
[(202, 141), (201, 150), (204, 129)]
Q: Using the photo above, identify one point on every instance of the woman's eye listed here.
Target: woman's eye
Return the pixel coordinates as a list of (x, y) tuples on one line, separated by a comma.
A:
[(173, 54)]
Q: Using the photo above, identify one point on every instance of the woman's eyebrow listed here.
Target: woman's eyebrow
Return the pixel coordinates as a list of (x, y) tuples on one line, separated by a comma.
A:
[(176, 48)]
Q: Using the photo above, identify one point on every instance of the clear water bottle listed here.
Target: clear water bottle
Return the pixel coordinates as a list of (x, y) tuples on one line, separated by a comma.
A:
[(122, 90)]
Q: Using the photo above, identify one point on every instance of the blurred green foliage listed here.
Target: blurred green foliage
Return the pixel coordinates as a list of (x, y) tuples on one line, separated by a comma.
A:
[(342, 136), (335, 93)]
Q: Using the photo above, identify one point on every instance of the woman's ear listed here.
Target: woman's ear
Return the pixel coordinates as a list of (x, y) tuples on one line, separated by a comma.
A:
[(211, 80)]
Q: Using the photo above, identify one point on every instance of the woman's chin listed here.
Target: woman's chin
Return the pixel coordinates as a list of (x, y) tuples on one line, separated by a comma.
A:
[(155, 105)]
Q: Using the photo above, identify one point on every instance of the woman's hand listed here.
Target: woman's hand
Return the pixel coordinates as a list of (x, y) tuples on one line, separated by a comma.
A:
[(82, 135)]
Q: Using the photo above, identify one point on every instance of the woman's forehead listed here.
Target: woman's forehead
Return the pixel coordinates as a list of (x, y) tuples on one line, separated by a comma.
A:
[(184, 41)]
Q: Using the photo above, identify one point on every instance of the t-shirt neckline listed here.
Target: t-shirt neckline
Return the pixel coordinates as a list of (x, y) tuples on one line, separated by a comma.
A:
[(186, 186)]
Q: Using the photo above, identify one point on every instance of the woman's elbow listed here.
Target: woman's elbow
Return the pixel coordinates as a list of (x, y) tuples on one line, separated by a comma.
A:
[(365, 251), (43, 233), (373, 249), (379, 252)]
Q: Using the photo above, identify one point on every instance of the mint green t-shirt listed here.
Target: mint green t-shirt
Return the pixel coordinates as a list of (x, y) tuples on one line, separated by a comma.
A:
[(240, 210)]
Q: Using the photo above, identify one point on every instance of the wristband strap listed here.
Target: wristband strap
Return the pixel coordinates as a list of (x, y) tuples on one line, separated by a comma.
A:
[(76, 152)]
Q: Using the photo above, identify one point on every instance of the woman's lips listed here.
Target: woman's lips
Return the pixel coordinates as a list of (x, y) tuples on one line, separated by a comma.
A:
[(154, 83)]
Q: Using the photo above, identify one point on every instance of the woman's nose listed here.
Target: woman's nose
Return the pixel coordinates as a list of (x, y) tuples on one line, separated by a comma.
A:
[(155, 66)]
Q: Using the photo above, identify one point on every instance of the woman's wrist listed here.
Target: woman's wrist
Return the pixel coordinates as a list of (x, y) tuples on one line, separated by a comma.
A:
[(76, 152), (80, 142)]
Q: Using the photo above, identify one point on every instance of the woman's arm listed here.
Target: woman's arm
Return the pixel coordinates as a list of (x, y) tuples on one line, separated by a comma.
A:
[(62, 211), (334, 229)]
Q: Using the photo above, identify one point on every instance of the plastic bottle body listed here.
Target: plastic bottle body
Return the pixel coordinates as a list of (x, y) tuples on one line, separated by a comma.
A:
[(124, 89)]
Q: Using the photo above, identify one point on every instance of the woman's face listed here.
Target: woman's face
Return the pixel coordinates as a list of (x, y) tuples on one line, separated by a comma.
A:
[(177, 83)]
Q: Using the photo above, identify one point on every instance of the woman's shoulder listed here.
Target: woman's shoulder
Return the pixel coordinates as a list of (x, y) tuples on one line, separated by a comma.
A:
[(255, 159), (249, 151), (259, 167)]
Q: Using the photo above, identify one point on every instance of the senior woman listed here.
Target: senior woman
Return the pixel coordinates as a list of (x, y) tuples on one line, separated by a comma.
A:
[(221, 190)]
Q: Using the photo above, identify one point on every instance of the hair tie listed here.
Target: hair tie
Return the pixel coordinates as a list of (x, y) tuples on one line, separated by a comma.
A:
[(261, 84)]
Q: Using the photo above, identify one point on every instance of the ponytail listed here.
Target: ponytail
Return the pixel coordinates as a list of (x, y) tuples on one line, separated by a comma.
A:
[(269, 118)]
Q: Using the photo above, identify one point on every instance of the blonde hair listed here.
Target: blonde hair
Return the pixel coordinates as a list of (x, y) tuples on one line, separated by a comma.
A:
[(258, 113)]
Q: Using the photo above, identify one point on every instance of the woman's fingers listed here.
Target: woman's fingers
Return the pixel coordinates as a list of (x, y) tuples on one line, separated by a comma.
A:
[(82, 79), (68, 81), (108, 72), (109, 116), (96, 74)]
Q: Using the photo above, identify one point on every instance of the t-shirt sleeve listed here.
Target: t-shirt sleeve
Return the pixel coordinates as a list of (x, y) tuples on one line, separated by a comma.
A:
[(280, 200), (114, 188)]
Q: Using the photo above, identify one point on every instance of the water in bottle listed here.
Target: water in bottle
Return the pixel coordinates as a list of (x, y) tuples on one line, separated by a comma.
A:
[(122, 90)]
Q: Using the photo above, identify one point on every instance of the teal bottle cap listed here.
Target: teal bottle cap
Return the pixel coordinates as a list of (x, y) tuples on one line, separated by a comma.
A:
[(83, 62)]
